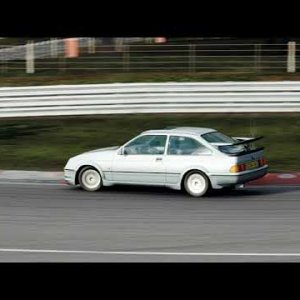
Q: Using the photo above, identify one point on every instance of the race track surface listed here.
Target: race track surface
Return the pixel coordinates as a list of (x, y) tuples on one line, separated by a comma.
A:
[(59, 223)]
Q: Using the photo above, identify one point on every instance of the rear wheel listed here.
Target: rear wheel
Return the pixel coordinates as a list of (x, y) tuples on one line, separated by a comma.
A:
[(196, 183), (90, 179)]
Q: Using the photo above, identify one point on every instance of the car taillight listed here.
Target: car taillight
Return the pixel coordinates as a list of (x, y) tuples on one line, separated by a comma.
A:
[(262, 161), (234, 169), (242, 167), (238, 168)]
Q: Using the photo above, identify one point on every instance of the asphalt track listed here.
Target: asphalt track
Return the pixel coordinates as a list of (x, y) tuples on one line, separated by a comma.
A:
[(59, 223)]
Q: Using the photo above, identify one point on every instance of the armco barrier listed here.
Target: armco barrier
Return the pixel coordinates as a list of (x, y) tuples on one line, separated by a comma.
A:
[(150, 98)]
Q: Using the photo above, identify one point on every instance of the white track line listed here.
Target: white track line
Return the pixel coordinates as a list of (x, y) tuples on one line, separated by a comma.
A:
[(148, 253)]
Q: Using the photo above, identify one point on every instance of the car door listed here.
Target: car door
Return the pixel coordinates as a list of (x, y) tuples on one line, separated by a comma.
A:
[(183, 153), (141, 161)]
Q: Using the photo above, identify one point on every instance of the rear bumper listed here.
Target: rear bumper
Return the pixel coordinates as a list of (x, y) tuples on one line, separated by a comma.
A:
[(233, 179)]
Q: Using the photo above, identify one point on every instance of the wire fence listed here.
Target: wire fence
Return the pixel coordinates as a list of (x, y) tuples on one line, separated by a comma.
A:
[(94, 56)]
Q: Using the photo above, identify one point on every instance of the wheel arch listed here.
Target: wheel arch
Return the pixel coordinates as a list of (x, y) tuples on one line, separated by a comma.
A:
[(185, 173), (83, 166)]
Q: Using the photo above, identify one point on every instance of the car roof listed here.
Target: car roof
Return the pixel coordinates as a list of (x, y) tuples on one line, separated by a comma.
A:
[(182, 130)]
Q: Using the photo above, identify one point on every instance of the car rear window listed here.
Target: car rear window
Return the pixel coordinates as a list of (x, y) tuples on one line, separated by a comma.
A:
[(217, 137)]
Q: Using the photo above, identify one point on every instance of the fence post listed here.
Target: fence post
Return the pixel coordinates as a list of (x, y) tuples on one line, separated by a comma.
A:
[(192, 60), (29, 57), (257, 57), (91, 45), (291, 58), (4, 63), (126, 58), (119, 44), (53, 48)]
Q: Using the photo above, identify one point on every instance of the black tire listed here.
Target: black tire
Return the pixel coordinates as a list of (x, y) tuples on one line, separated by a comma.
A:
[(89, 175), (194, 178)]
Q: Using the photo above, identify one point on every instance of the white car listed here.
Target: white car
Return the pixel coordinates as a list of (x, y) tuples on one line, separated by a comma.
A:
[(190, 158)]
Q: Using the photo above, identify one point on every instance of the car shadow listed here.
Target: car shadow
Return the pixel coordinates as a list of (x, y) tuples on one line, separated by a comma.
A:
[(153, 190), (141, 189)]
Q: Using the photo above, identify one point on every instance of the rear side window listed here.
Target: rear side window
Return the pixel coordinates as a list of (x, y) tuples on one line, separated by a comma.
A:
[(181, 145), (217, 137)]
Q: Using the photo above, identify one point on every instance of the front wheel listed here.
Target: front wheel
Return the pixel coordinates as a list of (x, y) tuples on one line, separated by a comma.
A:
[(90, 179), (196, 184)]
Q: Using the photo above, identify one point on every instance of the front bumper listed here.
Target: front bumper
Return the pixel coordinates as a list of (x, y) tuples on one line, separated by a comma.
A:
[(233, 179), (69, 176)]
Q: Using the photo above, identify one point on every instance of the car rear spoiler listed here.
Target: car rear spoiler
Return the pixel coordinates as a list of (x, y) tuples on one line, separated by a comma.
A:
[(247, 141), (246, 152)]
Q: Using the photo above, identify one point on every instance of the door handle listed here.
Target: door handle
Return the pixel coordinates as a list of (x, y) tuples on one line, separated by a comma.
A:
[(158, 159)]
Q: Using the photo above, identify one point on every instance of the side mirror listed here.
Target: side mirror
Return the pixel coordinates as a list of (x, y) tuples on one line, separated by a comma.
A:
[(122, 151)]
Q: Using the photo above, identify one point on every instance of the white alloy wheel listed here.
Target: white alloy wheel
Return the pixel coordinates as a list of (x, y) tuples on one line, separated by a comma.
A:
[(90, 179), (196, 184)]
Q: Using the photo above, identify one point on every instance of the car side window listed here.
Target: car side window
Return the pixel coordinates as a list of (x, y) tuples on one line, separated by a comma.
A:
[(147, 144), (181, 145)]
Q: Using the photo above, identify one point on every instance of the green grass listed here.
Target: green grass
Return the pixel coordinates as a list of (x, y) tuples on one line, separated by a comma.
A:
[(14, 78), (47, 143)]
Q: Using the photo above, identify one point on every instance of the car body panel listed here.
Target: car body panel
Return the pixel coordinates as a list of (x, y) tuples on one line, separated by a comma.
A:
[(165, 169), (138, 169)]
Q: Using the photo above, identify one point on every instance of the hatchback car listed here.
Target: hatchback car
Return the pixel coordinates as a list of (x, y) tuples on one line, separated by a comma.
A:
[(190, 158)]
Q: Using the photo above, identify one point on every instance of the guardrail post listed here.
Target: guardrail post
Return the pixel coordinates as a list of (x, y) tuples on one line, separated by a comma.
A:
[(291, 58), (192, 58), (30, 57)]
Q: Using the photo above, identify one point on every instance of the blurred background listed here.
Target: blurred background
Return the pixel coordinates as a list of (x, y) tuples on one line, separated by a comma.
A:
[(46, 142), (143, 58)]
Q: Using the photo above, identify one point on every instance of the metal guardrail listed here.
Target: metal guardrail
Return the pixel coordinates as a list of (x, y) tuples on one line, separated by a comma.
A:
[(150, 98)]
